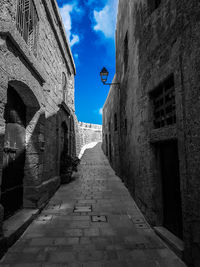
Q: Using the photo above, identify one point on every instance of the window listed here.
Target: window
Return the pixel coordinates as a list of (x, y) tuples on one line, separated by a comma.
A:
[(125, 126), (164, 103), (126, 52), (109, 127), (27, 23), (153, 4), (64, 86), (106, 145), (115, 122)]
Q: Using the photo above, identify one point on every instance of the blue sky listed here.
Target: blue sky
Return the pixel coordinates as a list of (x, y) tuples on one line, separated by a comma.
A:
[(90, 27)]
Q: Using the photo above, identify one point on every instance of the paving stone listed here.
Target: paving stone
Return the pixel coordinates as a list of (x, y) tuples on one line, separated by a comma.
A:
[(116, 263), (111, 255), (86, 201), (107, 232), (53, 265), (79, 224), (69, 241), (42, 241), (26, 265), (44, 218), (31, 250), (92, 232), (66, 238), (81, 218), (62, 257), (90, 255), (85, 240), (92, 264), (74, 232)]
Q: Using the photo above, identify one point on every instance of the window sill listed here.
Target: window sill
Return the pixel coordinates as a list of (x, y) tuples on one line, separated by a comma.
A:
[(163, 134)]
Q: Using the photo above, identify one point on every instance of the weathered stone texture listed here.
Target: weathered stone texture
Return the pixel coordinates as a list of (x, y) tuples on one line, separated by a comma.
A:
[(110, 134), (38, 79), (89, 133), (160, 43)]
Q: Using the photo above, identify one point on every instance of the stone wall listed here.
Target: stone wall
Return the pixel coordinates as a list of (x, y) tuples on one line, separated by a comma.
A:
[(110, 130), (152, 44), (37, 77), (89, 133)]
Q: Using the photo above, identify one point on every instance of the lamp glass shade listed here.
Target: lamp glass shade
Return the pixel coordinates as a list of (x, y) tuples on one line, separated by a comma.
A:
[(104, 75)]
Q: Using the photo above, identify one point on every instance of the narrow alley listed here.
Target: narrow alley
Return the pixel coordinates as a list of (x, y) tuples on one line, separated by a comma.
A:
[(92, 221)]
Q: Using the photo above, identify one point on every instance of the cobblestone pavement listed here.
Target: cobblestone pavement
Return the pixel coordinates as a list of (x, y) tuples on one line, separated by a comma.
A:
[(62, 237)]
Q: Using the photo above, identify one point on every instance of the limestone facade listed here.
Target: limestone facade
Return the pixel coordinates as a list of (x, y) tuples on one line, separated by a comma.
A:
[(158, 105), (89, 133), (36, 64)]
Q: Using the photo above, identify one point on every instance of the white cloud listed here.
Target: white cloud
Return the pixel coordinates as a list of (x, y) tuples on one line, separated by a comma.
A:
[(76, 55), (75, 39), (65, 12), (100, 111), (105, 19)]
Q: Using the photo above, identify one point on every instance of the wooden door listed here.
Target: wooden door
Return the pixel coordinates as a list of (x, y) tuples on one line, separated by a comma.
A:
[(64, 148), (14, 154), (172, 208)]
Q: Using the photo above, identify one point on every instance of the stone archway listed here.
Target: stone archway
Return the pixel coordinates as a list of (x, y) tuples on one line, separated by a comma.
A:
[(21, 112), (13, 153)]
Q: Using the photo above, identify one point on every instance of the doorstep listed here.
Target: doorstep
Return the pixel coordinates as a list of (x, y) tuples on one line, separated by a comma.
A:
[(15, 226), (176, 244)]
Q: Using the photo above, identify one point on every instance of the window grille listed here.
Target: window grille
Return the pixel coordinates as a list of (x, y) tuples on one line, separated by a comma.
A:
[(27, 23), (164, 103)]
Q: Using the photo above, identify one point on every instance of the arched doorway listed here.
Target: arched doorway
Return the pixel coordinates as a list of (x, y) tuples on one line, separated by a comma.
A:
[(64, 139), (14, 153), (21, 140), (64, 148)]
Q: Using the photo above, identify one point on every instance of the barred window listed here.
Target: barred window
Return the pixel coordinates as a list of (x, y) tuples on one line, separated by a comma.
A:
[(27, 23), (164, 103)]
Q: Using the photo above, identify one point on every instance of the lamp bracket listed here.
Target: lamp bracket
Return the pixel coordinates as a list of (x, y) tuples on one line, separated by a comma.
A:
[(110, 83)]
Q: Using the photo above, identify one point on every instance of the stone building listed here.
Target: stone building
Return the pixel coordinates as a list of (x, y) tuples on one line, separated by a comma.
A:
[(89, 133), (37, 116), (151, 120), (110, 136)]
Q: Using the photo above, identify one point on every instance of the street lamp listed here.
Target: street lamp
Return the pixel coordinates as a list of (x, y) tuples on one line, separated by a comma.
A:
[(104, 76)]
